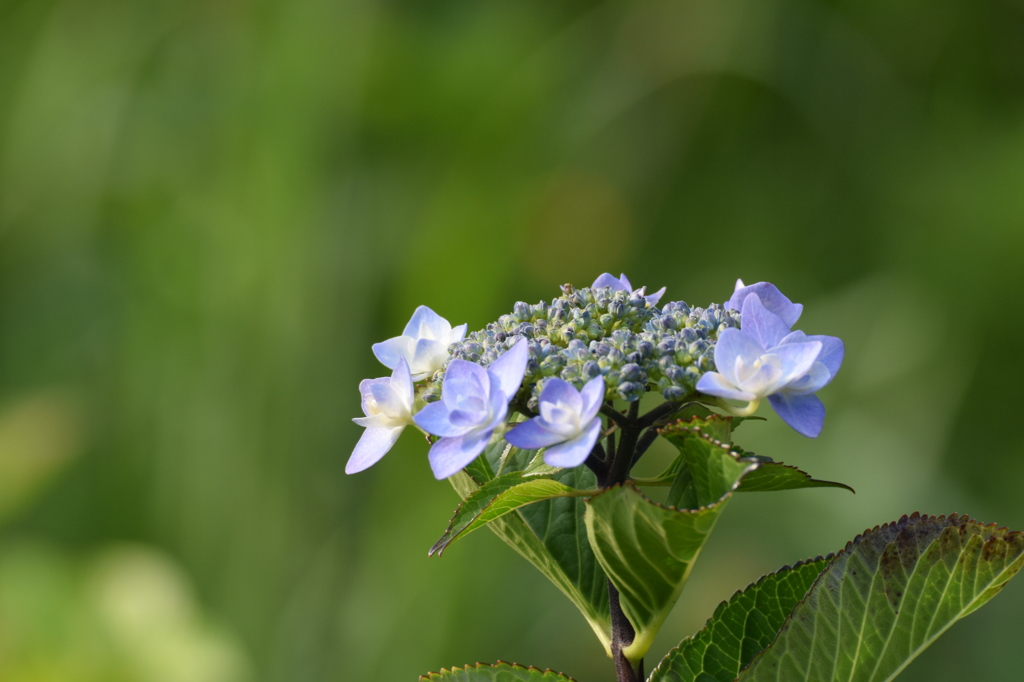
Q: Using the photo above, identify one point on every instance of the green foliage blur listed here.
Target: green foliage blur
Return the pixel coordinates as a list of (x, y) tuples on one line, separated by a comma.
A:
[(210, 209)]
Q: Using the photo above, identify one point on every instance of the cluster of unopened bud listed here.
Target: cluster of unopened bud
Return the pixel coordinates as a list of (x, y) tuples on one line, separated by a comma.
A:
[(619, 335)]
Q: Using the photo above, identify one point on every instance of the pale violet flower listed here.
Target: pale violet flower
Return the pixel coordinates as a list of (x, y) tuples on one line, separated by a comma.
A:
[(423, 344), (474, 402), (764, 359), (771, 298), (621, 283), (387, 404), (568, 425)]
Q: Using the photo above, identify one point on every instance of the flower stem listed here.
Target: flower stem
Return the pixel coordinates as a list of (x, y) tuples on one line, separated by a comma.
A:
[(622, 637), (621, 461)]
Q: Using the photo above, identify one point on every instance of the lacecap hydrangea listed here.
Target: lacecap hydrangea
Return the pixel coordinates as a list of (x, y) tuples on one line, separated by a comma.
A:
[(743, 350)]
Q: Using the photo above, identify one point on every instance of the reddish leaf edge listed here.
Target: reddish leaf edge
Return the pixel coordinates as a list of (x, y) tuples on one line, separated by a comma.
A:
[(499, 665), (962, 520)]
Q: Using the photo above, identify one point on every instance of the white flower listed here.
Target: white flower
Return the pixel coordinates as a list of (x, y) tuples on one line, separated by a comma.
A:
[(423, 344), (387, 404)]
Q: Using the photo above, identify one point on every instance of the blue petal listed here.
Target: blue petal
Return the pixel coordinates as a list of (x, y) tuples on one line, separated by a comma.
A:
[(607, 280), (372, 445), (531, 435), (762, 324), (771, 298), (812, 382), (574, 452), (713, 383), (448, 456), (797, 359), (508, 370), (391, 351), (376, 421), (366, 391), (401, 382), (423, 319), (428, 355), (832, 351), (497, 407), (559, 391), (592, 395), (805, 413), (464, 381), (733, 344), (388, 401), (656, 296), (435, 419), (468, 419)]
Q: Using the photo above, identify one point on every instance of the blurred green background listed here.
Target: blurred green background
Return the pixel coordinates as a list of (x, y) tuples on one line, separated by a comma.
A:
[(210, 209)]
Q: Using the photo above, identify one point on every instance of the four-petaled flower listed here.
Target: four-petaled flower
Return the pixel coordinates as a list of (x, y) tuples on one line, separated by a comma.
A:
[(474, 402), (764, 359), (621, 283), (387, 404), (568, 425), (423, 344), (771, 298)]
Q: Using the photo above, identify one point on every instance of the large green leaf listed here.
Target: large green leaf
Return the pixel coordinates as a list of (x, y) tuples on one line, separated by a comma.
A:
[(499, 672), (886, 597), (648, 550), (494, 499), (551, 535), (560, 526), (740, 629)]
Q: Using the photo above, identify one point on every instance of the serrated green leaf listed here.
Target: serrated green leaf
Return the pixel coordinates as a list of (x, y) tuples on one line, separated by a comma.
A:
[(888, 595), (550, 535), (708, 474), (740, 629), (695, 437), (499, 672), (772, 476), (494, 499)]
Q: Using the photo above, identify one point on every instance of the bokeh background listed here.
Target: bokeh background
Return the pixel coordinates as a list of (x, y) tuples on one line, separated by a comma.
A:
[(209, 210)]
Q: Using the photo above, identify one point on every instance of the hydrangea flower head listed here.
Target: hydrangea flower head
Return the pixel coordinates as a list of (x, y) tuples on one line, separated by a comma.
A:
[(387, 404), (615, 334), (474, 403), (622, 284), (568, 425), (771, 298), (423, 344)]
